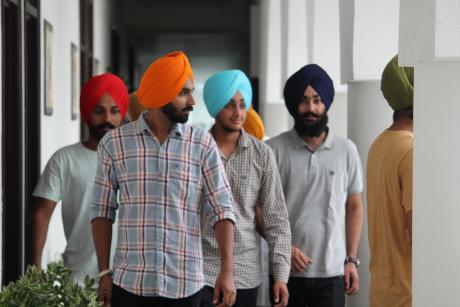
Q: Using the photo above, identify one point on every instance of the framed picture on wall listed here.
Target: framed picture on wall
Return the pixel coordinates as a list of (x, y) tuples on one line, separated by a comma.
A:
[(74, 86), (49, 100)]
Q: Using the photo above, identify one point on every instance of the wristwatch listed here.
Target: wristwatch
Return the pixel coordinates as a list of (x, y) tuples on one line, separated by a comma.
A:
[(353, 260)]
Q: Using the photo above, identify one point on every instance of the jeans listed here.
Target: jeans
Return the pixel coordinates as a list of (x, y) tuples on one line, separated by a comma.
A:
[(314, 292), (244, 297)]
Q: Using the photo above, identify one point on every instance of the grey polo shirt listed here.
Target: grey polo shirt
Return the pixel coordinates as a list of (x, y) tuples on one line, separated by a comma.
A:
[(316, 185)]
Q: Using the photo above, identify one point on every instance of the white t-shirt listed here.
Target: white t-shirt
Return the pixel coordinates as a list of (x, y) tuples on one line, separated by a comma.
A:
[(69, 177)]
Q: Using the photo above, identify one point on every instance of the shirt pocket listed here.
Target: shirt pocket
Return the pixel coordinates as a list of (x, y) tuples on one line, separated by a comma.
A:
[(183, 180)]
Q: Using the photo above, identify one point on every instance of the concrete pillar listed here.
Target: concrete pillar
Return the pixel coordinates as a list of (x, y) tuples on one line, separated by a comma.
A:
[(271, 81), (368, 38), (428, 29), (430, 42), (436, 254)]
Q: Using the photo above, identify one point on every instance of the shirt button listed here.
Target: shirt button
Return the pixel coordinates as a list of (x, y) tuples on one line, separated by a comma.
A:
[(331, 173)]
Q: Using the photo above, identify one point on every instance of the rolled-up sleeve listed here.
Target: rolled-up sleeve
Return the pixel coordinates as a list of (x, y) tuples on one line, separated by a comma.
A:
[(218, 199), (105, 187), (275, 219)]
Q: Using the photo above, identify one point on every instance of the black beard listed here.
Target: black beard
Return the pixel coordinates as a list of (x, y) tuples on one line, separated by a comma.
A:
[(97, 132), (174, 114), (304, 128)]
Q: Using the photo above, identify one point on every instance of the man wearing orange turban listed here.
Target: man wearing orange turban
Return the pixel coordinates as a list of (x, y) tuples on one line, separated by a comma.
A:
[(159, 175), (69, 177)]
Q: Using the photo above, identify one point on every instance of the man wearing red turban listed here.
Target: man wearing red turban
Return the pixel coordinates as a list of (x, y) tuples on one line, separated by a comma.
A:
[(69, 177), (159, 175)]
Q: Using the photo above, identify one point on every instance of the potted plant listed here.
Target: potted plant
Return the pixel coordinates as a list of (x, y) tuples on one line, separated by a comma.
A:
[(50, 288)]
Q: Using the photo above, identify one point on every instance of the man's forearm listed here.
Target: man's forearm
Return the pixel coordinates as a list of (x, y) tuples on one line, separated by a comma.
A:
[(224, 238), (102, 236), (354, 224), (41, 218)]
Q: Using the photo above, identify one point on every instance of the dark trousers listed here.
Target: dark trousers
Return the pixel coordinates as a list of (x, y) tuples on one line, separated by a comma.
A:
[(124, 298), (314, 292), (244, 297)]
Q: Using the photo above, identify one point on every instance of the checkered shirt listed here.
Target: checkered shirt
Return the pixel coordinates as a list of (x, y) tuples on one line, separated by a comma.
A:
[(254, 180), (163, 188)]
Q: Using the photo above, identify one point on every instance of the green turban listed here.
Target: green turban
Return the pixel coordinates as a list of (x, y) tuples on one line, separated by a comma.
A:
[(398, 85)]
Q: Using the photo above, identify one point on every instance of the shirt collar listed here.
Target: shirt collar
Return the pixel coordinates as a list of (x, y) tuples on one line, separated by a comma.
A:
[(143, 128), (299, 143)]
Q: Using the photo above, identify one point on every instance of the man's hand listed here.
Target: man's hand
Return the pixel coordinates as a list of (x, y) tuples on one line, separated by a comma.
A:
[(351, 279), (225, 284), (280, 294), (104, 291), (299, 261)]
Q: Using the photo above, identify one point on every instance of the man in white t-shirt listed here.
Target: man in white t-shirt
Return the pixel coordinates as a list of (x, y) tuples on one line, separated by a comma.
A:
[(69, 177)]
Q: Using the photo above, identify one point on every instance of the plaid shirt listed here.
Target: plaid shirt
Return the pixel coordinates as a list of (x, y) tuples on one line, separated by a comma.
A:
[(255, 180), (163, 188)]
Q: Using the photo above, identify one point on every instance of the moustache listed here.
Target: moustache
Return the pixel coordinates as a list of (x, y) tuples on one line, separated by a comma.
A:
[(307, 114), (104, 126), (187, 109)]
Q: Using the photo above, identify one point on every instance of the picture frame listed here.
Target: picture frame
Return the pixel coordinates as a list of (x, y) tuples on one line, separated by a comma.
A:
[(74, 82), (48, 64)]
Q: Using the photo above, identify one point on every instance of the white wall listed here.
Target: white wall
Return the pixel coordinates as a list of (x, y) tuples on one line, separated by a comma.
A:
[(59, 130)]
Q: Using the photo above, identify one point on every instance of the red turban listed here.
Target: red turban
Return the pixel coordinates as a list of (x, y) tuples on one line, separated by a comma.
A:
[(163, 80), (95, 87)]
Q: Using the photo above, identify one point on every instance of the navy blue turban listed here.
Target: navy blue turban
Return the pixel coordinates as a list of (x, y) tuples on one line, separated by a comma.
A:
[(314, 76)]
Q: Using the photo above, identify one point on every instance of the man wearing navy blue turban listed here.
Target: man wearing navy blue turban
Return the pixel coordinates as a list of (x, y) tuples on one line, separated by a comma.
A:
[(255, 182), (322, 183)]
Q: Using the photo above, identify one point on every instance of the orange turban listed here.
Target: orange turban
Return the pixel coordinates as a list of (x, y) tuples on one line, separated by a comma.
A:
[(163, 80), (96, 87), (135, 108), (254, 125)]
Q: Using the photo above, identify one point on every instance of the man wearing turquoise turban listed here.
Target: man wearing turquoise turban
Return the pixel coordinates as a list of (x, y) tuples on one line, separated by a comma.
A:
[(322, 181), (389, 194), (254, 180)]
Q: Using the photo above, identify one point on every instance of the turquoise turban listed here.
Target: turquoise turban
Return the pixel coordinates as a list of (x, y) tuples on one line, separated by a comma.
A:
[(222, 86)]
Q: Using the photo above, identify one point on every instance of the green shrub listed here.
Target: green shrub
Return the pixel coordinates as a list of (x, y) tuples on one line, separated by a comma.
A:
[(51, 288)]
